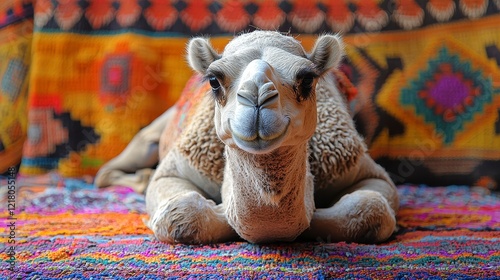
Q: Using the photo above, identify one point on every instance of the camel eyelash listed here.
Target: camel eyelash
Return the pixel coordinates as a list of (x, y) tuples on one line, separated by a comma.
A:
[(304, 86), (306, 73), (214, 78), (218, 75)]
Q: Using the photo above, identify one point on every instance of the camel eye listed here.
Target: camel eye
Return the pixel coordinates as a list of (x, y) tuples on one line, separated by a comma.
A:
[(214, 83), (305, 84), (217, 91)]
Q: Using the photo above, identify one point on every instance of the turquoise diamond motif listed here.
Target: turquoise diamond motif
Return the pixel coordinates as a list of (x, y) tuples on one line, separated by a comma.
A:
[(448, 94)]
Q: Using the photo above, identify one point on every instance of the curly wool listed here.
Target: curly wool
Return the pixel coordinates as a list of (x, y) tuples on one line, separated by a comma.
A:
[(335, 146), (199, 143)]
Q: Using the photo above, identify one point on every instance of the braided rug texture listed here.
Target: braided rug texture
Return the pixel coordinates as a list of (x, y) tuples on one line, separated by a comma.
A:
[(66, 228)]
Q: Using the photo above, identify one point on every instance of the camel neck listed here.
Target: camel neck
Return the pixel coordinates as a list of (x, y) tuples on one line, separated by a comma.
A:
[(269, 192), (268, 176)]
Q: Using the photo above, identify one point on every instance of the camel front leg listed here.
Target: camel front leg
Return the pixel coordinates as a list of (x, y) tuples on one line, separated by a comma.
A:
[(364, 212), (181, 212)]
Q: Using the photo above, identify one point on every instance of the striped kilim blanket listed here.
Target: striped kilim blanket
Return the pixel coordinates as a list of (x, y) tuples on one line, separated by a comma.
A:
[(66, 228)]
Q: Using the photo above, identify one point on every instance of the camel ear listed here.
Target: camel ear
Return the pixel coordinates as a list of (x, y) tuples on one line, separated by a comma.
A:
[(327, 52), (201, 54)]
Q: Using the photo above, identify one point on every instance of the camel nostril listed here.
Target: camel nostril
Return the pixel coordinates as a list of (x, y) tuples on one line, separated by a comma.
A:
[(268, 99), (247, 99)]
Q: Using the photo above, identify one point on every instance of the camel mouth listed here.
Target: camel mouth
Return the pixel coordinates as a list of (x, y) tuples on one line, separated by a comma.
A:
[(259, 145)]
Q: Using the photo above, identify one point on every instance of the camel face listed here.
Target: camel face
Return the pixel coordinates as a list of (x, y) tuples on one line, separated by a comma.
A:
[(267, 104), (264, 88), (254, 118)]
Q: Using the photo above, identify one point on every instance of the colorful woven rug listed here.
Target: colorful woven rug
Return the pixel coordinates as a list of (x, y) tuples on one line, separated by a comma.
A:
[(66, 228)]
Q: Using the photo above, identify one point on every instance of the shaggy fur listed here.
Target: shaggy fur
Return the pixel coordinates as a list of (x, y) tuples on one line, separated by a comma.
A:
[(281, 159)]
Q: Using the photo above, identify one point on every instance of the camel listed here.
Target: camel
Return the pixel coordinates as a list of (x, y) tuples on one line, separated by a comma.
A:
[(269, 154)]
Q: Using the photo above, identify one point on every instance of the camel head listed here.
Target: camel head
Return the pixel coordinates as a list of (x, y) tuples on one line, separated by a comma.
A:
[(263, 85)]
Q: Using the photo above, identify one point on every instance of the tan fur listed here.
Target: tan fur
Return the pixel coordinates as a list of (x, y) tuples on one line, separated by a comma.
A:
[(308, 176)]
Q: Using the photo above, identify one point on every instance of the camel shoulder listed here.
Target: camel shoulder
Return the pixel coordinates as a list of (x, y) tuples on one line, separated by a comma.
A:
[(336, 146), (192, 132)]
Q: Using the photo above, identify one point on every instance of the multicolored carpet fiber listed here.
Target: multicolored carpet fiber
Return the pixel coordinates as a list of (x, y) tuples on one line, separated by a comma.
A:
[(66, 228)]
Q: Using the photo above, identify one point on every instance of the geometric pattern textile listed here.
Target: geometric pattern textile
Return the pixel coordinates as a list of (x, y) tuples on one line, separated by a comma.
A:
[(97, 92), (67, 228), (438, 109), (184, 17), (16, 30)]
